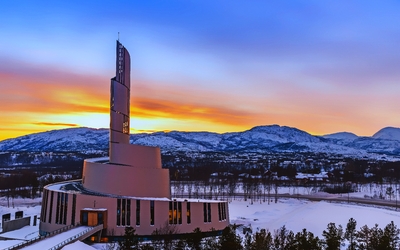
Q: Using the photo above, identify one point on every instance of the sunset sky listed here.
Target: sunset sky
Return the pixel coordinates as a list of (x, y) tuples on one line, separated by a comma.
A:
[(205, 65)]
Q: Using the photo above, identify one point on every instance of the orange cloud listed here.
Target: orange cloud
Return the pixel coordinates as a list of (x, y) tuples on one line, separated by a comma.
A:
[(55, 124)]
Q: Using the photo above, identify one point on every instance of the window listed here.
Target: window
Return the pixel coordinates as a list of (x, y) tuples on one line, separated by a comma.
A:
[(51, 206), (65, 209), (73, 209), (100, 219), (175, 212), (137, 212), (85, 219), (128, 212), (221, 211), (58, 208), (207, 212), (44, 207), (60, 220), (125, 125), (179, 212), (188, 213), (170, 217), (123, 211), (118, 212), (61, 209), (152, 213)]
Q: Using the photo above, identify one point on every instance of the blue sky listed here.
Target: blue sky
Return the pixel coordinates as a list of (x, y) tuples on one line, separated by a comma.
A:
[(320, 66)]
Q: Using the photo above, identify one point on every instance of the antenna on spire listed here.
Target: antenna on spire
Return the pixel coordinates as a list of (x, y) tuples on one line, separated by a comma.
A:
[(118, 36)]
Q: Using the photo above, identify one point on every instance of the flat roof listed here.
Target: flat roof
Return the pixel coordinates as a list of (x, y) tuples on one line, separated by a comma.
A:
[(75, 186)]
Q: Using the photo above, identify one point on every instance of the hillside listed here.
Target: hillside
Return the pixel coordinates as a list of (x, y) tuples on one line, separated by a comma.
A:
[(272, 138)]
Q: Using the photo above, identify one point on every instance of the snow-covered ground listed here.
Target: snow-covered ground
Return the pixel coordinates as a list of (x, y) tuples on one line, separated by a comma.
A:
[(314, 216), (294, 214)]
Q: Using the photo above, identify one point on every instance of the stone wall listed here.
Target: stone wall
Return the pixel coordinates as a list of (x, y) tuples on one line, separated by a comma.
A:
[(16, 224)]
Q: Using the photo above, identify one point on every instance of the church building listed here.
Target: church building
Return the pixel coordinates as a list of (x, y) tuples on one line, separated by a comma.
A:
[(129, 188)]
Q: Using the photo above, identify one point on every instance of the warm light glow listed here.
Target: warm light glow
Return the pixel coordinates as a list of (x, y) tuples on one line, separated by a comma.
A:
[(315, 66)]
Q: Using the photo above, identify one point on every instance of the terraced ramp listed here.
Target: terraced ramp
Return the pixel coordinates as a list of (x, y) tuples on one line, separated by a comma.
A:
[(57, 241)]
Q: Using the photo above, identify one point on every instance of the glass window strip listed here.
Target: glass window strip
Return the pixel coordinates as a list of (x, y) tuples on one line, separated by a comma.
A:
[(209, 213), (224, 210), (152, 213), (60, 220), (219, 212), (44, 208), (65, 209), (51, 206), (118, 212), (58, 207), (205, 212), (188, 213), (179, 212), (123, 220), (175, 213), (73, 209), (137, 212), (170, 215), (128, 212)]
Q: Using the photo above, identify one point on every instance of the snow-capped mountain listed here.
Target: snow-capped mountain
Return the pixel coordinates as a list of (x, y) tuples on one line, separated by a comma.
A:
[(71, 139), (342, 136), (273, 138), (388, 133)]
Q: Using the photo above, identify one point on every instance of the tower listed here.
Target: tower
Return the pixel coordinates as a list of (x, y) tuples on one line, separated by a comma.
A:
[(120, 100)]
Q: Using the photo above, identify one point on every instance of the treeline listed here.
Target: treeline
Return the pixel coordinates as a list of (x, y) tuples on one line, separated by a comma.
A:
[(343, 170), (333, 238), (27, 183), (23, 184)]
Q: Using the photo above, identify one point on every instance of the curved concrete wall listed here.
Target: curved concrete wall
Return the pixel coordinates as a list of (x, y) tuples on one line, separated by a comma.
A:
[(126, 180), (161, 209), (135, 155)]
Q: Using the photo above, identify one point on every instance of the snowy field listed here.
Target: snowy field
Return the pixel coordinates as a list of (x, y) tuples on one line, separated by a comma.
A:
[(314, 216), (294, 214)]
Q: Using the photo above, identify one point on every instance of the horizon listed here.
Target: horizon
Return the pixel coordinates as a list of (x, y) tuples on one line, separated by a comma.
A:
[(321, 67), (199, 131)]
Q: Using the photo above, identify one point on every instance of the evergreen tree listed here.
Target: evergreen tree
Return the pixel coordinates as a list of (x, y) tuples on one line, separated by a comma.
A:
[(261, 240), (248, 240), (229, 240), (333, 237), (390, 237), (376, 234), (306, 240), (363, 238), (194, 240), (351, 234), (281, 238), (130, 240), (210, 243)]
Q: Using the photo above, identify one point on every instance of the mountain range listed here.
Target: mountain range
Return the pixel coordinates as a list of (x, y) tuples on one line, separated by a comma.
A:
[(385, 144)]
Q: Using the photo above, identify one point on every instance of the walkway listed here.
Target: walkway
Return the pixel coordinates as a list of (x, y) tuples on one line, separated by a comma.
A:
[(59, 240)]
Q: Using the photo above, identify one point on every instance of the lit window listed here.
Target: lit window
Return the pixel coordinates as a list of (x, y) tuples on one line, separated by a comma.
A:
[(188, 213)]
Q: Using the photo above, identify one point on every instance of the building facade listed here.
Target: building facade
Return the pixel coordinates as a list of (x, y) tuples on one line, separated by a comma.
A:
[(128, 188)]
